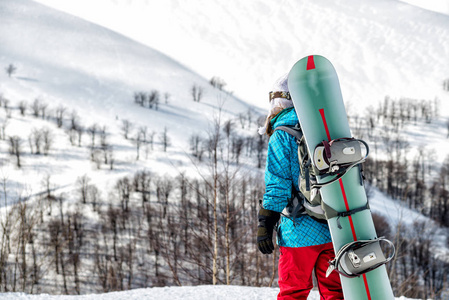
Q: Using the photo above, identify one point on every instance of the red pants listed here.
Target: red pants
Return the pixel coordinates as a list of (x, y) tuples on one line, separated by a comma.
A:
[(295, 273)]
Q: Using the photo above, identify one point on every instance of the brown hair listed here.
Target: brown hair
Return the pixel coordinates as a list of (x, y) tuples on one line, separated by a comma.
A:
[(274, 112)]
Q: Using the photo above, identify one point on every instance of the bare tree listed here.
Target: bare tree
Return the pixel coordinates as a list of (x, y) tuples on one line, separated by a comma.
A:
[(112, 221), (164, 187), (140, 98), (43, 109), (261, 143), (94, 196), (142, 183), (7, 108), (79, 131), (214, 142), (446, 85), (126, 128), (196, 147), (249, 116), (164, 139), (15, 148), (217, 82), (153, 99), (5, 124), (124, 189), (83, 184), (237, 148), (72, 136), (36, 138), (60, 112), (92, 131), (35, 107), (10, 69), (55, 232), (143, 133), (242, 120), (97, 156), (47, 137), (138, 140), (74, 120), (197, 93), (22, 107), (151, 140), (167, 97), (111, 158), (74, 232), (103, 137)]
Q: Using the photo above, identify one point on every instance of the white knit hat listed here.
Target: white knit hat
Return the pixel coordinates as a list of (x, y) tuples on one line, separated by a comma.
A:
[(281, 85)]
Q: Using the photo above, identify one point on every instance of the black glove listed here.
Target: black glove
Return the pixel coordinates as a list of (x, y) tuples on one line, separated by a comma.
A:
[(267, 221)]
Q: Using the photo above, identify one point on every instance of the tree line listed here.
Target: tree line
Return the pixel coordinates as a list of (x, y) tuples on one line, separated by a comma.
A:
[(150, 230), (159, 230), (417, 181)]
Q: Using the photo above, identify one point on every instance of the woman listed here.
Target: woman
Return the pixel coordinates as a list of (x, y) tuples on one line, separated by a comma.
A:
[(305, 244)]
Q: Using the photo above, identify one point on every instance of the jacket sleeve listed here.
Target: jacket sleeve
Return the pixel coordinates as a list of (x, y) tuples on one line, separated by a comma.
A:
[(278, 172)]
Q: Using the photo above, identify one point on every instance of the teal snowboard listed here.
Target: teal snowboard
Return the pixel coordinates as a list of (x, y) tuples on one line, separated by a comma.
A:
[(316, 94)]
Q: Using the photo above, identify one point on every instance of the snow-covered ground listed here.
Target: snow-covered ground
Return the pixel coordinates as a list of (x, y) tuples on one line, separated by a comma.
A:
[(206, 292)]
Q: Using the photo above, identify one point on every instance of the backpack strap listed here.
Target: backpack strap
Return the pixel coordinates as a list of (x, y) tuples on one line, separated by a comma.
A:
[(296, 132), (292, 130), (295, 206)]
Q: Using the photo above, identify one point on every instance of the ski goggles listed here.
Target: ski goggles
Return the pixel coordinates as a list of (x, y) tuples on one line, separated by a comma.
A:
[(285, 95)]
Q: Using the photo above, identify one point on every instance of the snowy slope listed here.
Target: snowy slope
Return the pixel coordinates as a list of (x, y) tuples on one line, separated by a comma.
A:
[(379, 48), (176, 293), (440, 6), (63, 60)]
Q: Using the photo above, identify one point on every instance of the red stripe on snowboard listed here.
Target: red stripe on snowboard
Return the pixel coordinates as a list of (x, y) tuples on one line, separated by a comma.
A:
[(354, 236), (323, 117), (343, 192), (347, 208), (310, 63), (366, 287)]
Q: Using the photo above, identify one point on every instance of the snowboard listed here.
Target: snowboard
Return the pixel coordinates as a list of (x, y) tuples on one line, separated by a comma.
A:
[(315, 91)]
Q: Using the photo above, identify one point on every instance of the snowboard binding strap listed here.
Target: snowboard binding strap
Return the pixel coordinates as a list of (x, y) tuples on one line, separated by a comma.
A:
[(359, 257), (337, 157), (348, 213)]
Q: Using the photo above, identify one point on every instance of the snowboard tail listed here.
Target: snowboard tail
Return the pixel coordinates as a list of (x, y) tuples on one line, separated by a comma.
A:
[(316, 95)]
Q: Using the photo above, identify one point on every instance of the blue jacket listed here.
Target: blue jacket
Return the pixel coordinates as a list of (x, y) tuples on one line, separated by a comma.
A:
[(281, 173)]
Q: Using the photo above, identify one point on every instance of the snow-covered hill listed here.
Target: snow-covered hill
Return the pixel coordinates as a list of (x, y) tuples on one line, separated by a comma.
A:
[(440, 6), (94, 72), (384, 47), (64, 59)]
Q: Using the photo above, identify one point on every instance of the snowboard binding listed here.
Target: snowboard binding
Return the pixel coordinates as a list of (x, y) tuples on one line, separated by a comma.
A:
[(337, 157), (359, 257)]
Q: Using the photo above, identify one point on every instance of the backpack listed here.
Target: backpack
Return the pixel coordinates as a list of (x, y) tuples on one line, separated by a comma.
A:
[(307, 201)]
